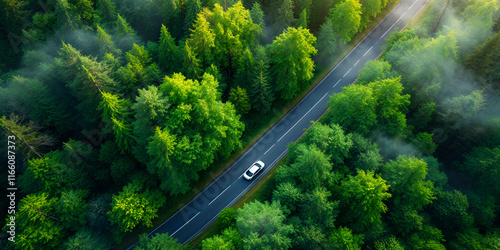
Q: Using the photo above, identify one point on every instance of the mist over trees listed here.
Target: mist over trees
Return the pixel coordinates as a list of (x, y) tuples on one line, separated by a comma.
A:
[(120, 105)]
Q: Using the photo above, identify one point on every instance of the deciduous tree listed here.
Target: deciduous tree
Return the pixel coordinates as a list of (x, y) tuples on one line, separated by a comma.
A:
[(290, 55)]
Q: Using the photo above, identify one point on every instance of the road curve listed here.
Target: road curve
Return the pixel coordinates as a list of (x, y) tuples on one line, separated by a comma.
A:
[(202, 210)]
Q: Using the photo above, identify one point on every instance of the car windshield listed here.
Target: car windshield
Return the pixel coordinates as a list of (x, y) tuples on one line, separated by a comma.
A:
[(249, 173)]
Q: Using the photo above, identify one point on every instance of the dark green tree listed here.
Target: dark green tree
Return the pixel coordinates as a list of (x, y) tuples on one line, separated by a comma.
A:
[(193, 7), (262, 226), (106, 9), (158, 242), (239, 98), (261, 94), (285, 17), (71, 208), (168, 51)]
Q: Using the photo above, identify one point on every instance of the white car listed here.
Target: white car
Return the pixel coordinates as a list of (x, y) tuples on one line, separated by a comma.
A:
[(253, 170)]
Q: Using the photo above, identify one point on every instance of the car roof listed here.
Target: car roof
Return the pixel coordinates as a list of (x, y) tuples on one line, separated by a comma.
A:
[(253, 169)]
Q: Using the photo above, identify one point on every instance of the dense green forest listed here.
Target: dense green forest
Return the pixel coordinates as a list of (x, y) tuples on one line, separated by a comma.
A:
[(406, 158), (118, 106)]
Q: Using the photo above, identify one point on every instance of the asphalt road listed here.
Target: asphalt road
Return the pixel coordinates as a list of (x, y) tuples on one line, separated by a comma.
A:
[(229, 187)]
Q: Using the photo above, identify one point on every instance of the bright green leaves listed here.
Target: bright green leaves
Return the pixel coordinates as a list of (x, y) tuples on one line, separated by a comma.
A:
[(114, 112), (196, 128), (359, 108), (354, 109), (135, 205), (363, 196), (346, 19), (406, 176), (290, 55), (40, 229)]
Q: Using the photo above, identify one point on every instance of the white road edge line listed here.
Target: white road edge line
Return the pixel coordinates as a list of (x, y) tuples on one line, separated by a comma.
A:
[(219, 195), (185, 224), (269, 149), (302, 117)]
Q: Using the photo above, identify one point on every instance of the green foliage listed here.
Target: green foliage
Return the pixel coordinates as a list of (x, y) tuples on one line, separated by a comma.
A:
[(460, 110), (482, 163), (354, 109), (30, 140), (239, 98), (343, 238), (226, 219), (191, 63), (135, 205), (106, 9), (285, 15), (262, 226), (71, 209), (122, 27), (327, 41), (260, 93), (106, 45), (390, 243), (39, 229), (346, 19), (362, 199), (331, 140), (406, 177), (289, 196), (97, 210), (290, 56), (435, 175), (318, 210), (158, 242), (193, 7), (139, 71), (450, 210), (257, 15), (149, 109), (168, 51), (216, 243), (234, 31), (202, 40), (375, 71), (310, 166), (82, 75), (114, 111), (202, 125), (391, 105), (86, 239), (365, 154), (302, 21), (246, 64), (370, 8)]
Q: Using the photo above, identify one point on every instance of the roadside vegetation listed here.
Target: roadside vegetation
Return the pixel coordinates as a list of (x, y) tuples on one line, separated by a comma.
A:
[(407, 158), (118, 107)]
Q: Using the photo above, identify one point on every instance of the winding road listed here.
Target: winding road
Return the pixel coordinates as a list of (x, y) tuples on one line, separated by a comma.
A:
[(225, 190)]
